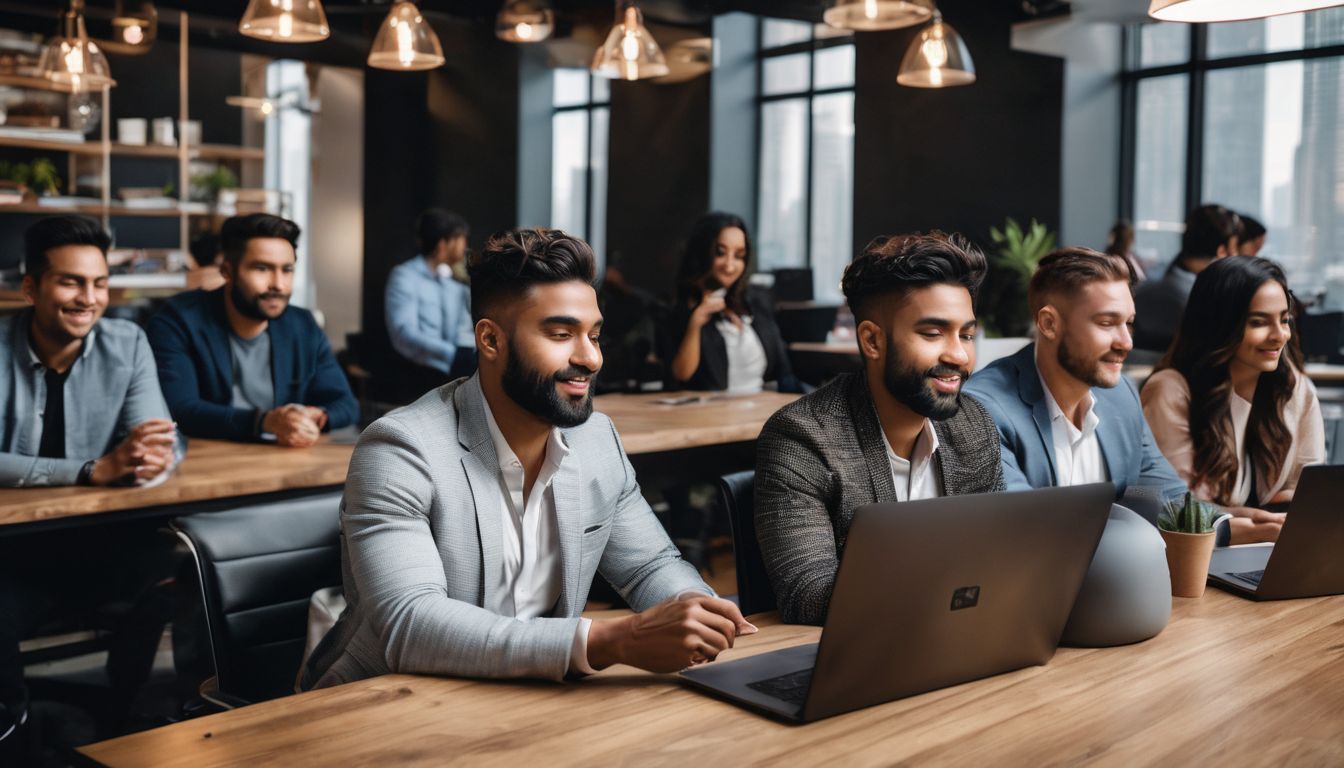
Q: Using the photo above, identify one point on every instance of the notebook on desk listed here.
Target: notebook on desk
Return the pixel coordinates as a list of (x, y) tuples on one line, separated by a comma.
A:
[(1307, 560), (930, 594)]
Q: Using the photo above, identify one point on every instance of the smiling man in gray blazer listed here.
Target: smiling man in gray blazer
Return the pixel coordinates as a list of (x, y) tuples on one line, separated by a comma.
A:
[(475, 518)]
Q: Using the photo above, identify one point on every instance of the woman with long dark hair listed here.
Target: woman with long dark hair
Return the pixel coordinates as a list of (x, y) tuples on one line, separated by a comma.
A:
[(1229, 405), (721, 333)]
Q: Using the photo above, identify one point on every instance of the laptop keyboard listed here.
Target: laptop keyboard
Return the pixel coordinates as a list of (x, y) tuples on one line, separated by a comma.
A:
[(791, 688), (1251, 576)]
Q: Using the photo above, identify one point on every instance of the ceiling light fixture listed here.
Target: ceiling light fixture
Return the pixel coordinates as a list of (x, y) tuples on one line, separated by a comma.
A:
[(285, 21), (405, 41), (1201, 11), (630, 52), (135, 25), (524, 21), (72, 59), (873, 15), (936, 58)]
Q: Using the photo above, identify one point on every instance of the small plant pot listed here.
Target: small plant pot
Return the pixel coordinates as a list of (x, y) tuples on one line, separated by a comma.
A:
[(1188, 556)]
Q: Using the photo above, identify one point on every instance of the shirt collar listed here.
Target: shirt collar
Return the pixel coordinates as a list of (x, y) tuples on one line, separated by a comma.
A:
[(556, 449), (85, 347), (926, 445), (1090, 419)]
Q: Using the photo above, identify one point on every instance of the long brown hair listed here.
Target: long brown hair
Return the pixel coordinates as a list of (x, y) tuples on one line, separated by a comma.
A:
[(1211, 330), (694, 276)]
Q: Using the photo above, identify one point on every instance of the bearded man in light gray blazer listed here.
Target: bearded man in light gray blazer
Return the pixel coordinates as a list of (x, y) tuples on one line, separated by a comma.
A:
[(475, 519)]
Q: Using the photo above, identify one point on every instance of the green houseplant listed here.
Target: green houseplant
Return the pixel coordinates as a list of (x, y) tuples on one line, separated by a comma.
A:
[(40, 176), (1010, 268), (1187, 528)]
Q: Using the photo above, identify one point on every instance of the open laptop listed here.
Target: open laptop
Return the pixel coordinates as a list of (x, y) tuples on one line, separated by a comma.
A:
[(1307, 560), (930, 594)]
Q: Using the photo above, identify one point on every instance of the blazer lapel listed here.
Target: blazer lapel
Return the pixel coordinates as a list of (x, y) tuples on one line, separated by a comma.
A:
[(1110, 439), (216, 338), (1033, 394), (482, 468), (569, 508), (869, 432), (282, 362)]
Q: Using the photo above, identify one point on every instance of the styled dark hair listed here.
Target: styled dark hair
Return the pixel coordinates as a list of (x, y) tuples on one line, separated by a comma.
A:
[(1251, 228), (1207, 228), (238, 230), (513, 261), (1067, 270), (436, 224), (55, 231), (1210, 332), (699, 260), (1120, 240), (895, 265)]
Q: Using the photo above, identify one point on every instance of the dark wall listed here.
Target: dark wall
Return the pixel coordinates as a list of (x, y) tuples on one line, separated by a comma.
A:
[(659, 180), (957, 159)]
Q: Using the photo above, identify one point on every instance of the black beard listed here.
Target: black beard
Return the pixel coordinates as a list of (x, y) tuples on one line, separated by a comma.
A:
[(535, 392), (1078, 367), (912, 388), (251, 307)]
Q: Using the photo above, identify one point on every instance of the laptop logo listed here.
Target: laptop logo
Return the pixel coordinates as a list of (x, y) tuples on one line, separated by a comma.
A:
[(965, 597)]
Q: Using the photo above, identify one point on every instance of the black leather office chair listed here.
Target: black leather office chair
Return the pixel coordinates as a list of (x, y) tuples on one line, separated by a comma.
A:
[(258, 567), (754, 593)]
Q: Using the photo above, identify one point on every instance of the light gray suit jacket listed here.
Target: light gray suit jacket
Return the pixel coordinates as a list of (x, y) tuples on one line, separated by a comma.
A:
[(421, 525)]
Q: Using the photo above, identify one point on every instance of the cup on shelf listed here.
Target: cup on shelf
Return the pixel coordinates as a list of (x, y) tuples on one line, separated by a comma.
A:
[(131, 130), (190, 131), (163, 131)]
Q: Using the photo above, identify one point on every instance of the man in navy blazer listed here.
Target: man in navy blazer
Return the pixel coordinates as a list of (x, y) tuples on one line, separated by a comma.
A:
[(239, 363), (1066, 414)]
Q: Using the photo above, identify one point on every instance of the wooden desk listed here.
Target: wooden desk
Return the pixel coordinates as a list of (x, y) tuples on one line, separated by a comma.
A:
[(1321, 374), (646, 426), (212, 470), (1229, 682)]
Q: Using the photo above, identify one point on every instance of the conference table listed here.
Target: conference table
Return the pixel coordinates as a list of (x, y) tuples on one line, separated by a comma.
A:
[(1228, 682)]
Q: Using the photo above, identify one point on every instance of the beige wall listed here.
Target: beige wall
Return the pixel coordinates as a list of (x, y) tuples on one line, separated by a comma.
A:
[(336, 223)]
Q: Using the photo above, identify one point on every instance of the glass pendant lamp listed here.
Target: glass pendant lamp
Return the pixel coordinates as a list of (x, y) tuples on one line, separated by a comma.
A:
[(871, 15), (936, 58), (630, 52), (135, 25), (405, 41), (285, 21), (524, 21), (72, 59), (1230, 10)]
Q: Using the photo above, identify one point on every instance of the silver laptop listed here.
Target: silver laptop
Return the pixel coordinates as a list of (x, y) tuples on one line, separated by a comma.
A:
[(930, 594), (1306, 561)]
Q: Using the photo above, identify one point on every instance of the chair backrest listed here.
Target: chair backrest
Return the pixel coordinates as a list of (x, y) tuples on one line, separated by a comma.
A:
[(258, 566), (754, 593)]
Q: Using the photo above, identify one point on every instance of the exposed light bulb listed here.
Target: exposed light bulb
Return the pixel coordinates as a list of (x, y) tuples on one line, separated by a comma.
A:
[(405, 50), (133, 34), (870, 9), (935, 52), (523, 30), (266, 108)]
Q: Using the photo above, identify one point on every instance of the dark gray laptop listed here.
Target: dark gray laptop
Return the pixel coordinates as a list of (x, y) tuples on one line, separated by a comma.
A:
[(1307, 560), (930, 594)]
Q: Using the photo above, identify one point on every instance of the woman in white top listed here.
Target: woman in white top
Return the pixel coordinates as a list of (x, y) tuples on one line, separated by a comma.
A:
[(721, 334), (1229, 405)]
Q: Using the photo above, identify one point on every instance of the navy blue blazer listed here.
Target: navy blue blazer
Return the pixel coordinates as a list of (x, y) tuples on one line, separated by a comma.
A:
[(190, 337), (1010, 389)]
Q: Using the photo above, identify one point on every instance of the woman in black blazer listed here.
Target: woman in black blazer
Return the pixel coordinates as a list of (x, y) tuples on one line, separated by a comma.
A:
[(721, 334)]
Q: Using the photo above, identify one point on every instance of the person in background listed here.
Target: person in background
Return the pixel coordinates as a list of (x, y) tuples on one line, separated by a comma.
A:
[(900, 430), (239, 363), (428, 306), (1211, 233), (721, 334), (1252, 238), (1120, 242), (82, 407), (1066, 414), (1229, 404)]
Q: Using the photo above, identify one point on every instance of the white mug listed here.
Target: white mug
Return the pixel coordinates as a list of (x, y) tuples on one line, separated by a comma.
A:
[(163, 131), (131, 130)]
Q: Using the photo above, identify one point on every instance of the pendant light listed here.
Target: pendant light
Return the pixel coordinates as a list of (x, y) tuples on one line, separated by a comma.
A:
[(1230, 10), (285, 21), (524, 21), (405, 41), (135, 25), (936, 58), (72, 59), (872, 15), (630, 52)]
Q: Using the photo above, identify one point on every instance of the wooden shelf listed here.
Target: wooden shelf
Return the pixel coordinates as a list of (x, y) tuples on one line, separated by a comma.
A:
[(203, 151), (34, 82)]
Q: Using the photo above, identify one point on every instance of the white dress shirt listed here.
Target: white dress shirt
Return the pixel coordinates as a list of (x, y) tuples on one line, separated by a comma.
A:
[(1078, 457), (917, 477), (528, 584), (746, 356)]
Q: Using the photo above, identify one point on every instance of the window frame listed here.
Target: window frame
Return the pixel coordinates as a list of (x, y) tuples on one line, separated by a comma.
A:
[(589, 105)]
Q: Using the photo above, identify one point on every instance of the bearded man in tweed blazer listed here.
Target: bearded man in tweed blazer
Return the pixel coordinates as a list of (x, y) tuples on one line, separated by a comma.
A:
[(475, 519), (900, 430)]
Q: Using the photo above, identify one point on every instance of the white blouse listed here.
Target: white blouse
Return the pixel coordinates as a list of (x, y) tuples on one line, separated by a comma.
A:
[(746, 356)]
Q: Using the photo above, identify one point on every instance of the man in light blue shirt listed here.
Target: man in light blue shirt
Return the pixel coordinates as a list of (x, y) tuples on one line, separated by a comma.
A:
[(428, 306)]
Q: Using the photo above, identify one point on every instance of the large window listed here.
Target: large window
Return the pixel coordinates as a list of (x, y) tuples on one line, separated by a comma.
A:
[(1249, 115), (579, 129), (805, 190)]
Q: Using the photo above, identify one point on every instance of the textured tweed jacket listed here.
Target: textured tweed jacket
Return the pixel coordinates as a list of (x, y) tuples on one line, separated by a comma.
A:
[(421, 525), (821, 457)]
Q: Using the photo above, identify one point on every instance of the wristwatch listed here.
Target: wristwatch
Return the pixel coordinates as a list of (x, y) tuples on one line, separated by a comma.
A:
[(85, 476)]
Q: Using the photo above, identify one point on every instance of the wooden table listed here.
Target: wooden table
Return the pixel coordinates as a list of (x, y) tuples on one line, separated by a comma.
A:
[(1321, 374), (648, 426), (1229, 682), (212, 470)]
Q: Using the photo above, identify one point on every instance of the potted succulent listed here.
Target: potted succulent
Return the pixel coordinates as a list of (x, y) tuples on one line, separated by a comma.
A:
[(1187, 528)]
